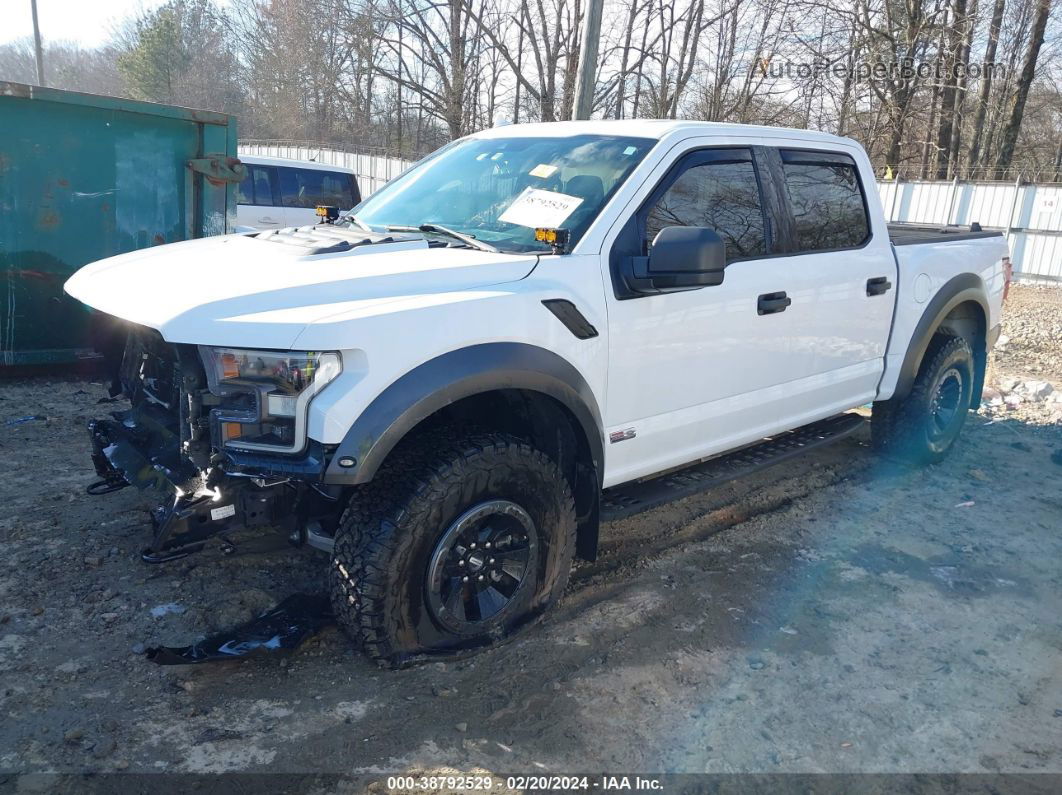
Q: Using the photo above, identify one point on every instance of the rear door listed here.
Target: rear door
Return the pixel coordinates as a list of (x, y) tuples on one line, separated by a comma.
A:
[(258, 199), (840, 272)]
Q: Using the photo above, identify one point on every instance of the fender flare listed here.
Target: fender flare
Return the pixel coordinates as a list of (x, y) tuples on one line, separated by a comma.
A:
[(960, 289), (450, 377)]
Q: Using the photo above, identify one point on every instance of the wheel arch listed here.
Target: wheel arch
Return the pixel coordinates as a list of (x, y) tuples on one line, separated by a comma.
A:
[(520, 388), (960, 306)]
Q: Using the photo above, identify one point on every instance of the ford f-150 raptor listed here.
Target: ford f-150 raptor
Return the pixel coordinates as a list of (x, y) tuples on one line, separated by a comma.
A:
[(536, 327)]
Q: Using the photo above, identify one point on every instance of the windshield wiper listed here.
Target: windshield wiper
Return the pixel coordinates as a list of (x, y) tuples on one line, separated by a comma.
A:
[(357, 222), (468, 240)]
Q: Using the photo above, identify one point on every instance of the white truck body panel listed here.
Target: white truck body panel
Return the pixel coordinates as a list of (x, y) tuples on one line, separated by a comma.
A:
[(692, 373), (244, 291), (764, 374), (924, 269)]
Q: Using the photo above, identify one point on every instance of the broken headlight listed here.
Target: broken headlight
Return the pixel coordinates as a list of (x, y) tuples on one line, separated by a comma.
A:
[(265, 395)]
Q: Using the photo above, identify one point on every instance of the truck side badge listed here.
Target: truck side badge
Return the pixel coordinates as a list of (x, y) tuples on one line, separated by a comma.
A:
[(621, 436)]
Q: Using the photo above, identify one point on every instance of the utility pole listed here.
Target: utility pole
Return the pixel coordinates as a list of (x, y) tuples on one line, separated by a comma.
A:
[(37, 44), (585, 76)]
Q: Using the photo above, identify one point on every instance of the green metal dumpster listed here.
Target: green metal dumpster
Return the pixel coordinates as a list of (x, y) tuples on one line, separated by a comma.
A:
[(84, 177)]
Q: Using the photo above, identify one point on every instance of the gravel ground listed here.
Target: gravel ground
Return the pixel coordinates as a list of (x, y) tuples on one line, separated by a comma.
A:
[(839, 613), (1026, 371)]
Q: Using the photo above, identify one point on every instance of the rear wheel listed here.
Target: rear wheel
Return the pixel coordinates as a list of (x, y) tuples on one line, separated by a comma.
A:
[(923, 426), (452, 546)]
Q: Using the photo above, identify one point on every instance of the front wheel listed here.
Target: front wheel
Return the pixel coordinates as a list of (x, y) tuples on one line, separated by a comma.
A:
[(453, 545), (923, 426)]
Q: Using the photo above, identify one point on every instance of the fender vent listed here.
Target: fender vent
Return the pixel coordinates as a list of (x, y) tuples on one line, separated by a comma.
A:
[(569, 314)]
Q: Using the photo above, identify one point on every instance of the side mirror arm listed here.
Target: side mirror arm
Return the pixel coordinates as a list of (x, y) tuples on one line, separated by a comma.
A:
[(636, 275), (639, 280)]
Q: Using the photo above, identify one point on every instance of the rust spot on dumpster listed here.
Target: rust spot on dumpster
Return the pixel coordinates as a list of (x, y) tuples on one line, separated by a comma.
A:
[(63, 183), (34, 275), (219, 169), (49, 220)]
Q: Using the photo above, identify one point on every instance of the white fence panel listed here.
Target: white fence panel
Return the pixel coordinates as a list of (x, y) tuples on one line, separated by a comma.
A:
[(990, 205), (1041, 208), (1043, 251), (372, 169), (1029, 215)]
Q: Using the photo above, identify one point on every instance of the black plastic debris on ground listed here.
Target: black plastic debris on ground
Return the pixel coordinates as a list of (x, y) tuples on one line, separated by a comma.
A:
[(280, 629), (28, 418)]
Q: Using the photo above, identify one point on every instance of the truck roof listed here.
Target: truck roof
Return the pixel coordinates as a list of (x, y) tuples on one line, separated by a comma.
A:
[(266, 160), (656, 128)]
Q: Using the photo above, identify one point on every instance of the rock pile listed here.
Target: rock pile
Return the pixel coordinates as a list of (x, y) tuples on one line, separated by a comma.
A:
[(1025, 368)]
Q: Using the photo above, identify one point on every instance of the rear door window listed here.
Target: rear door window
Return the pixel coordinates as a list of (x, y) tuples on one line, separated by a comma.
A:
[(305, 187), (826, 197), (257, 187), (245, 190), (723, 196)]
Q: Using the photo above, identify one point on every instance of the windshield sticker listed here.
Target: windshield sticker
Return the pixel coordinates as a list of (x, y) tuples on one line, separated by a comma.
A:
[(543, 170), (540, 208)]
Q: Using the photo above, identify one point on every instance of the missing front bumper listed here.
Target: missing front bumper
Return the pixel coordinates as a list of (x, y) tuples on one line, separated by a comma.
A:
[(127, 450)]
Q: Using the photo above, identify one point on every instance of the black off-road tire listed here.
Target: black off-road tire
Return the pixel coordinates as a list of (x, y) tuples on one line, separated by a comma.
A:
[(912, 428), (394, 532)]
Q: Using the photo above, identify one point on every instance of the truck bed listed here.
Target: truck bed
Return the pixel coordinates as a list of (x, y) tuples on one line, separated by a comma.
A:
[(914, 234)]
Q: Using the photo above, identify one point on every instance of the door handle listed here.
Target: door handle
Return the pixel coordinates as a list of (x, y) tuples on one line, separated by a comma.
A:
[(267, 220), (878, 285), (770, 303)]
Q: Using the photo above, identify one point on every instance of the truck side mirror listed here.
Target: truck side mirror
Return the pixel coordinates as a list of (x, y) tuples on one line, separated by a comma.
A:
[(681, 258), (687, 256)]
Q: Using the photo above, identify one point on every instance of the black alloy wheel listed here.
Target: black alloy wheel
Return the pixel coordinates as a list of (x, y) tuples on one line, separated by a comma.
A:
[(480, 565), (946, 405)]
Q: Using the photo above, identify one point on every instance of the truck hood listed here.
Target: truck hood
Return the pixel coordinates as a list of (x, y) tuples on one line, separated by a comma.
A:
[(264, 290)]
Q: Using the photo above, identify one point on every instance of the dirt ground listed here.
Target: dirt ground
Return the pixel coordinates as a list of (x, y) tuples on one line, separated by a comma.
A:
[(839, 613)]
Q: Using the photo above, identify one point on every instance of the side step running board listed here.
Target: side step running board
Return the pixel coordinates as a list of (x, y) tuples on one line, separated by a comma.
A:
[(627, 500)]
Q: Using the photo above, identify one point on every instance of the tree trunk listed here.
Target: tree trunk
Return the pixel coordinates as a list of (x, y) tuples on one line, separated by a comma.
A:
[(455, 113), (621, 80), (1028, 72), (849, 80), (923, 172), (974, 158), (949, 91), (519, 67), (961, 86)]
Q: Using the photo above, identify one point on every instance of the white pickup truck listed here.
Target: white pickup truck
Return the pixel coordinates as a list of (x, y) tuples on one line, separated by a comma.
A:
[(530, 330)]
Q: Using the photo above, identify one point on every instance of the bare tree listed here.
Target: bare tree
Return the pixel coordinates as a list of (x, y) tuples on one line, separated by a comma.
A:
[(950, 59), (1021, 95), (408, 75), (985, 88)]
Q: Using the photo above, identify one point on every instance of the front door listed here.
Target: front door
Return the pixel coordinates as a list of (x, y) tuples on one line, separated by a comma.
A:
[(699, 372)]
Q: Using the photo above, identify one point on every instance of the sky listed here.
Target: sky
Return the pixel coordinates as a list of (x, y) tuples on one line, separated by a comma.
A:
[(86, 22)]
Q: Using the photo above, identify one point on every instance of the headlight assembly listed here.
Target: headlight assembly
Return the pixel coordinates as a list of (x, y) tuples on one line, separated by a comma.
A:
[(265, 395)]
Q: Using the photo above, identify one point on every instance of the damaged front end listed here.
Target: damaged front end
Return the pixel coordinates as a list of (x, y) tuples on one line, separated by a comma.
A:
[(220, 434)]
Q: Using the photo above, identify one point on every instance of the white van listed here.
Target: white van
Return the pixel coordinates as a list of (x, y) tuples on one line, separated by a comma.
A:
[(278, 192)]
